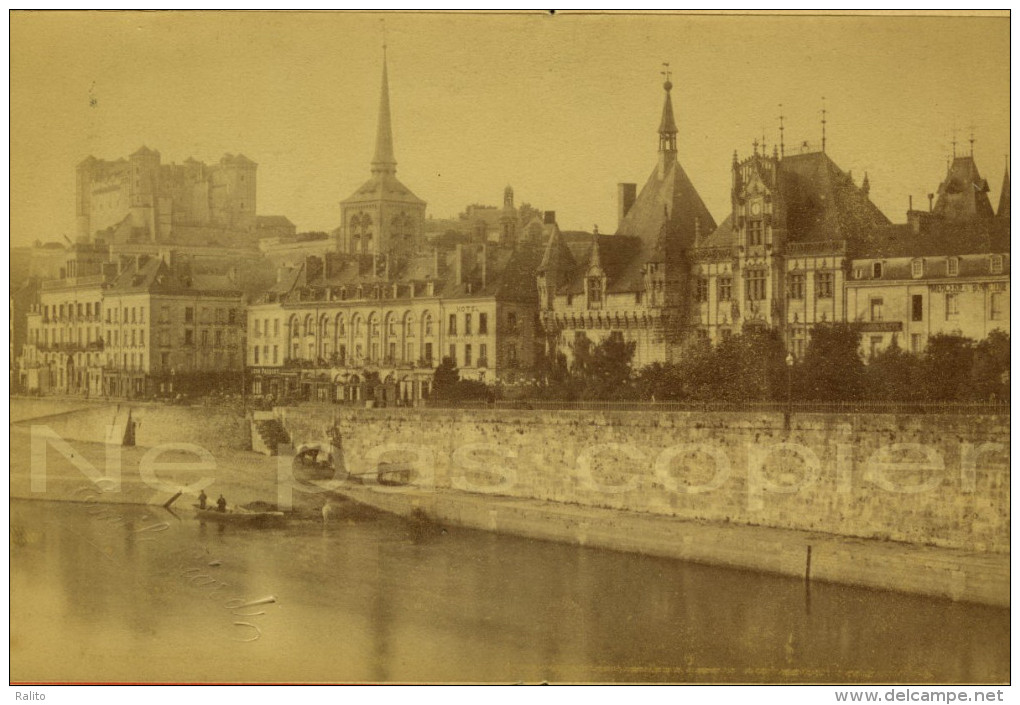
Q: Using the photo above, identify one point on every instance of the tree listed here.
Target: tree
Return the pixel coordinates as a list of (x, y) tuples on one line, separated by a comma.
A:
[(832, 369), (604, 370), (893, 375), (445, 379), (990, 371), (526, 212), (947, 364)]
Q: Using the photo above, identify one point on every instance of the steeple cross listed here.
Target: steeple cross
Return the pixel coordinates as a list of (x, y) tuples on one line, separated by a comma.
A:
[(666, 72), (972, 140)]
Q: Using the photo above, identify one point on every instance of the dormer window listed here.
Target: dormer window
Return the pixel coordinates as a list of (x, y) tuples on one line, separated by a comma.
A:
[(953, 266), (995, 264), (876, 270), (917, 268)]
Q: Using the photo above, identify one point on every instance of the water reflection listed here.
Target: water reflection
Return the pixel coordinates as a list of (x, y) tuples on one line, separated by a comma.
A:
[(100, 594)]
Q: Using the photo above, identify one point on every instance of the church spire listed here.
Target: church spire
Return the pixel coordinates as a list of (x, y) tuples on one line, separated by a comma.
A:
[(667, 126), (384, 162)]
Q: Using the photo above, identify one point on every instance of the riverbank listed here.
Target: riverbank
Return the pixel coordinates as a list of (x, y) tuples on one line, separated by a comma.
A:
[(962, 576), (950, 541)]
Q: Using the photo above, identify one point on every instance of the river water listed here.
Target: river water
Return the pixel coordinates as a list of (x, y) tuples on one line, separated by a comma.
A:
[(129, 593)]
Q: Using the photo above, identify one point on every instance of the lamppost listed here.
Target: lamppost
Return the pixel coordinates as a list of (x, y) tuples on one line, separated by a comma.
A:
[(789, 391)]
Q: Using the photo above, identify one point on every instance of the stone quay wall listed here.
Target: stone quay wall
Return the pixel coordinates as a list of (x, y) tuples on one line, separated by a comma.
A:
[(927, 480)]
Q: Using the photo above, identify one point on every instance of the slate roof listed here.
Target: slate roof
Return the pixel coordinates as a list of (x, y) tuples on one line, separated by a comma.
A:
[(963, 195), (937, 237), (816, 201), (155, 276), (385, 187)]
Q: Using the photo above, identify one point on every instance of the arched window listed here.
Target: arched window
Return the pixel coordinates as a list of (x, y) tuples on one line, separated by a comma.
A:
[(340, 330), (427, 324), (295, 329), (409, 325), (308, 325)]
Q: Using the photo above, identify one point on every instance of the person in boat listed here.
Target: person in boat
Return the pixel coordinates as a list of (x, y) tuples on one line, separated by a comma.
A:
[(221, 504), (202, 499)]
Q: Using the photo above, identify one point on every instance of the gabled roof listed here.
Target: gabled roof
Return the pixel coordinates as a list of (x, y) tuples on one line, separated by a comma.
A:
[(816, 201), (963, 195), (619, 257), (671, 196), (1003, 211), (937, 237), (156, 277)]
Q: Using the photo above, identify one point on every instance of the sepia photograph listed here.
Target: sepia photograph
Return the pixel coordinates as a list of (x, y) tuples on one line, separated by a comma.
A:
[(511, 348)]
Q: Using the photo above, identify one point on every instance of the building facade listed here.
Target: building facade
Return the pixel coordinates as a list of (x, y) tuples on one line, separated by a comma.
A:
[(379, 313), (802, 244), (137, 327), (633, 285)]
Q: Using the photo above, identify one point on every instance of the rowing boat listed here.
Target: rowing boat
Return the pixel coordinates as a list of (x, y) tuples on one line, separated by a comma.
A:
[(241, 516)]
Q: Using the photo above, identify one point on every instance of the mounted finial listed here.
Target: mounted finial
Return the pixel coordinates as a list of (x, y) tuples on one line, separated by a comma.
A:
[(972, 141), (782, 146), (824, 113), (668, 85)]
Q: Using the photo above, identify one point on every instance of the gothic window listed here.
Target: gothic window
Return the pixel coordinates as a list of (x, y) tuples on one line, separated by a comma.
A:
[(797, 286), (756, 285), (594, 289), (823, 285), (701, 290), (755, 232), (725, 288)]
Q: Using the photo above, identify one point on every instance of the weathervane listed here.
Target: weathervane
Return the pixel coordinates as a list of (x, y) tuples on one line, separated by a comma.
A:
[(824, 112)]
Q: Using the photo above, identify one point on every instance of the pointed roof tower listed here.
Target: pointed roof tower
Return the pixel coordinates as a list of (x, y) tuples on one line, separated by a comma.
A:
[(668, 197), (384, 185), (1003, 211), (384, 162), (963, 195)]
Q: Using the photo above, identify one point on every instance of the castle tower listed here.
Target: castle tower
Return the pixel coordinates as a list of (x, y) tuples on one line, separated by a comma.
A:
[(383, 218)]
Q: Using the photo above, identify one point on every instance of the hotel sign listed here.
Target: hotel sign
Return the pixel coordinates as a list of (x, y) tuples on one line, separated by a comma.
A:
[(958, 288), (882, 327)]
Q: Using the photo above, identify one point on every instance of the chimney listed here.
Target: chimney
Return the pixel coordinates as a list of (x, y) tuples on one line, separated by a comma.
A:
[(697, 230), (931, 197), (430, 287), (313, 268), (458, 265), (334, 263), (627, 194), (549, 218), (485, 263)]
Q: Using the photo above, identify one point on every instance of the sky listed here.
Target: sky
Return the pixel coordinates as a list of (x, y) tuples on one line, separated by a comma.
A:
[(562, 107)]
